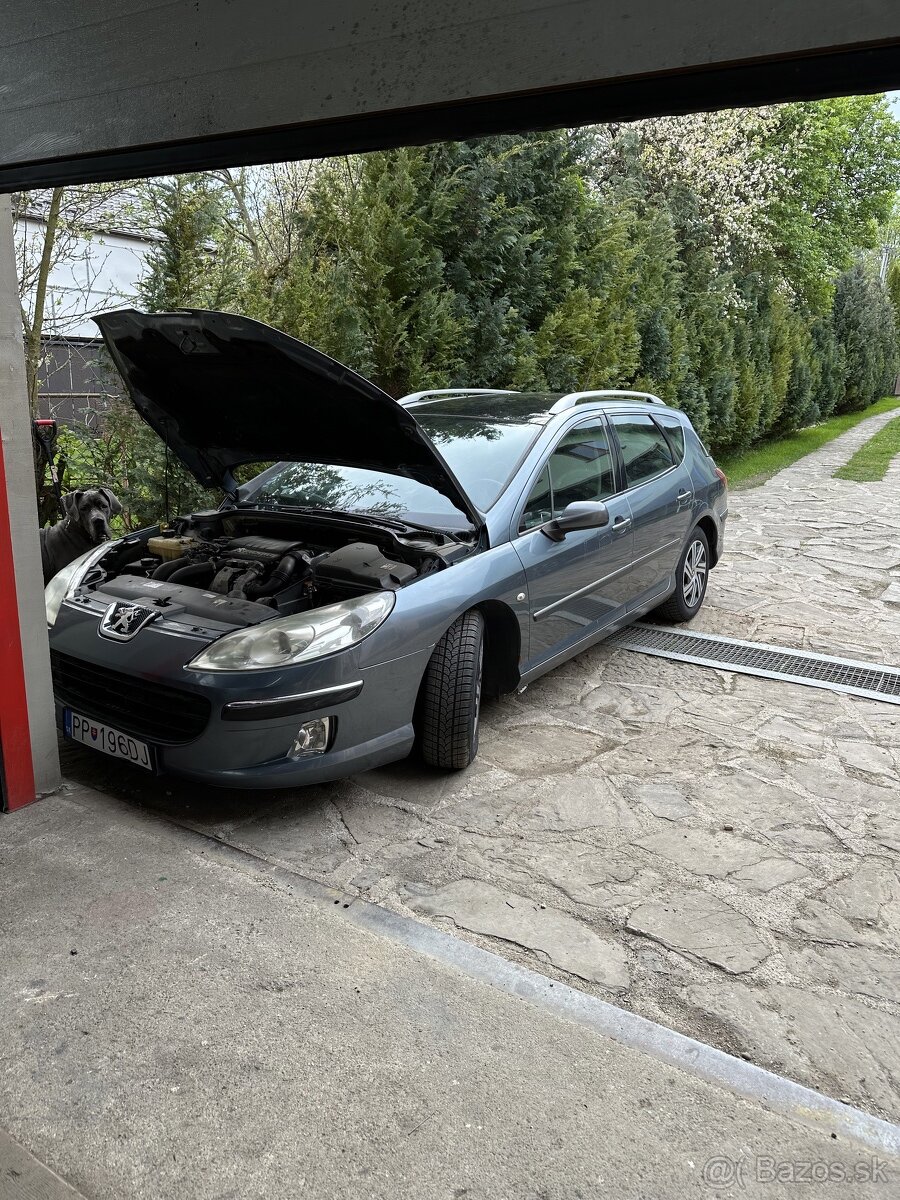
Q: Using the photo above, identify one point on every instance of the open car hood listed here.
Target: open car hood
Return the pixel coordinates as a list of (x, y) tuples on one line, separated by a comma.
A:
[(221, 390)]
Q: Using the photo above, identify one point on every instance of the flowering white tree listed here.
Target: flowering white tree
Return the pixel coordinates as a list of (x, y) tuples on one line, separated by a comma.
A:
[(803, 184), (723, 157)]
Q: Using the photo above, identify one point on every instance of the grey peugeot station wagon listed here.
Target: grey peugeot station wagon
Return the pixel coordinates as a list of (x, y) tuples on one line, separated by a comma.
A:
[(399, 560)]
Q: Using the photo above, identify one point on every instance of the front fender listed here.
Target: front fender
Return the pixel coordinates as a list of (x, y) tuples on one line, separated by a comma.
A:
[(426, 608)]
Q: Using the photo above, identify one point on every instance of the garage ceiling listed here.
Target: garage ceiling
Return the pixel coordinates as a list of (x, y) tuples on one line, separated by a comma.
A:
[(99, 90)]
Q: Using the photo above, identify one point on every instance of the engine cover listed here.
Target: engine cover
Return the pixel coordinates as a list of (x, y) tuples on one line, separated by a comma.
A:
[(157, 593), (363, 564), (259, 549)]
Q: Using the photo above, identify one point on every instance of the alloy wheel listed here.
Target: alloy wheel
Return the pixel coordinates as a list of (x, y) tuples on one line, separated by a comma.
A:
[(693, 578)]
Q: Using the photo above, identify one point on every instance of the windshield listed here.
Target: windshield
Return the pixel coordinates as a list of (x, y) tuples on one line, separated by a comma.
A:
[(481, 454)]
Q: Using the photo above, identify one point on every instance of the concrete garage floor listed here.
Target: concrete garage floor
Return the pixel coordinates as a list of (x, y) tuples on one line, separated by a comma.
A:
[(714, 851), (181, 1021)]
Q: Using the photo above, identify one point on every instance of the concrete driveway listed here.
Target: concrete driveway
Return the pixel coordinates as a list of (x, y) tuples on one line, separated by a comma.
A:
[(716, 852)]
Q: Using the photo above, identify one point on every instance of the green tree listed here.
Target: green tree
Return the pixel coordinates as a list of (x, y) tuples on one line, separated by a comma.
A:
[(124, 453), (695, 257), (367, 285), (838, 166), (829, 369), (509, 214), (197, 261), (892, 283), (865, 329)]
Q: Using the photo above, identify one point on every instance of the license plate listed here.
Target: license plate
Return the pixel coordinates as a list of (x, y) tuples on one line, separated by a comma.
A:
[(108, 740)]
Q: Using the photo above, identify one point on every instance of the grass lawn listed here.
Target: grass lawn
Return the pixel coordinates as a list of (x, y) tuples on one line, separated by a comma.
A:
[(761, 462), (873, 458)]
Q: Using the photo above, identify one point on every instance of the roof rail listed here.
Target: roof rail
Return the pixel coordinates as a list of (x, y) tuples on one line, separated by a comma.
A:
[(575, 398), (418, 397)]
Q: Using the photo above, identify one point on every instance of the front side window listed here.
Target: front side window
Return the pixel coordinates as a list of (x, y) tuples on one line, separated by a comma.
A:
[(539, 506), (580, 468), (645, 451)]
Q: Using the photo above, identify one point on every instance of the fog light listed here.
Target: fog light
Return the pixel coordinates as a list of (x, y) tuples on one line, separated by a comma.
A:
[(311, 738)]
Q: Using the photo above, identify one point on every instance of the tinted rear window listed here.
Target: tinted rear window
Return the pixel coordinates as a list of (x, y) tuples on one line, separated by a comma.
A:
[(645, 451), (674, 431)]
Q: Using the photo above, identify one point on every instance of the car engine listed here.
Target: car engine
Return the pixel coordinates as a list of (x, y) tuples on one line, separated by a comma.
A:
[(242, 569)]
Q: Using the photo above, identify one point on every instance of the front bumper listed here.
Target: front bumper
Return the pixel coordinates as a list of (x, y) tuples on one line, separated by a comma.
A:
[(253, 721)]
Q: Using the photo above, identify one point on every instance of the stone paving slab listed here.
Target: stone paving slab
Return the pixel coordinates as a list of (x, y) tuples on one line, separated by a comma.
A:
[(717, 852), (812, 561)]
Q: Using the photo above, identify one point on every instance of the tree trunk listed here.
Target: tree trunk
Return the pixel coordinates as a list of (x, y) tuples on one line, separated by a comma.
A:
[(33, 335), (45, 497), (249, 230)]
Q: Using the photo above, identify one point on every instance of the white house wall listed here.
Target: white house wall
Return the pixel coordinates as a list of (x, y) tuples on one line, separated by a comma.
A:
[(98, 273)]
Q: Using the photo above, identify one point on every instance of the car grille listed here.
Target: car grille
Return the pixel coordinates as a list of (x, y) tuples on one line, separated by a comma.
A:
[(136, 706)]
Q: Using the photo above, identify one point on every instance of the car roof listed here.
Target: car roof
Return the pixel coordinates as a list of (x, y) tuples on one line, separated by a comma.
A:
[(522, 407)]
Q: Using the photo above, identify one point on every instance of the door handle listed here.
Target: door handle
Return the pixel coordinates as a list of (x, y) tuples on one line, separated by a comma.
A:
[(684, 496), (620, 524)]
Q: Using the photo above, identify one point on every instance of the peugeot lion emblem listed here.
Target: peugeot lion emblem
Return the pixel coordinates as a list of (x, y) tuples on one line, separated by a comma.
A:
[(123, 621)]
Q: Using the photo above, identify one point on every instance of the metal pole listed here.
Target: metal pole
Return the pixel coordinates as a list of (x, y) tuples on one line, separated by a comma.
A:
[(30, 762)]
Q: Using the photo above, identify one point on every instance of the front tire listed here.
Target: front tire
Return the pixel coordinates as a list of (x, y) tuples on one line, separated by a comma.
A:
[(450, 700), (691, 578)]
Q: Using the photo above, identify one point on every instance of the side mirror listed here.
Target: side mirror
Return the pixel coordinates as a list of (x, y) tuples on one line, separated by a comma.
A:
[(582, 514)]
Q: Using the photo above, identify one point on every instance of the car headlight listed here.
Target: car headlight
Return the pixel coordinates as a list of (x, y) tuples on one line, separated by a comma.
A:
[(65, 582), (297, 639)]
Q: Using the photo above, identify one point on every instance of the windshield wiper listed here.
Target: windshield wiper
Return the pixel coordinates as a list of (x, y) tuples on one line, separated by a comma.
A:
[(356, 515)]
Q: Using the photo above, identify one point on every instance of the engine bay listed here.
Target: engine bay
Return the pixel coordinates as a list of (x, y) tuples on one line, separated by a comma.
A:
[(242, 567)]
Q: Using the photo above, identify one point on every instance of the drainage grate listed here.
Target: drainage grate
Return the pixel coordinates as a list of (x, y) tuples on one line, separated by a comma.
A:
[(771, 662)]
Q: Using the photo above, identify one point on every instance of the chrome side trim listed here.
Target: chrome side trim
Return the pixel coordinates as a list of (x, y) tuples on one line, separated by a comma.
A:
[(584, 591), (595, 634), (298, 697)]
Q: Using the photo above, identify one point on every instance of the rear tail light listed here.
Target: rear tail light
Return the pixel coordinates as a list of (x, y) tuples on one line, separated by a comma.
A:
[(721, 474)]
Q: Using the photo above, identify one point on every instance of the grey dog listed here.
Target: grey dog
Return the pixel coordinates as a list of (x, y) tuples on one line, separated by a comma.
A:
[(85, 524)]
